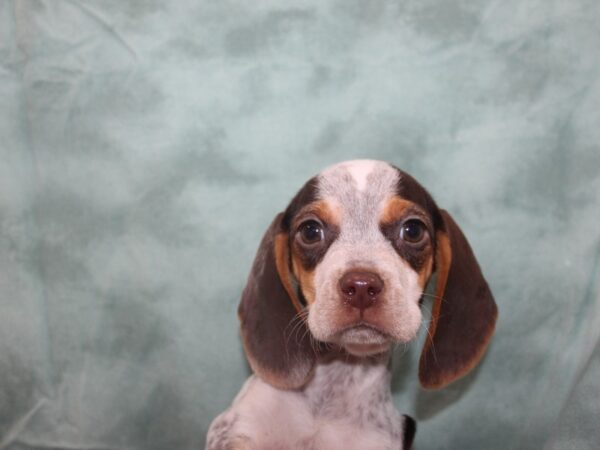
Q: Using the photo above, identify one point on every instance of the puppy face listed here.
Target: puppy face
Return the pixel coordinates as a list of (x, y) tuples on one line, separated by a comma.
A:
[(362, 251), (346, 264)]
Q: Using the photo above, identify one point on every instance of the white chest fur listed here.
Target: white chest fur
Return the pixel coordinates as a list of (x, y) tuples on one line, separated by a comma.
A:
[(346, 405)]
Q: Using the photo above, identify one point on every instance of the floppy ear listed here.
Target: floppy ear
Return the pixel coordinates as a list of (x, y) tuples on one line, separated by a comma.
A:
[(464, 313), (278, 350)]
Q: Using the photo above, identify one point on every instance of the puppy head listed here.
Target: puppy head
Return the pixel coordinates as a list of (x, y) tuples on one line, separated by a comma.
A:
[(346, 264)]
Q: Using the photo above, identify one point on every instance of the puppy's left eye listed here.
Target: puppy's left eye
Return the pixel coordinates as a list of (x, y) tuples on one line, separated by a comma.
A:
[(413, 231), (311, 232)]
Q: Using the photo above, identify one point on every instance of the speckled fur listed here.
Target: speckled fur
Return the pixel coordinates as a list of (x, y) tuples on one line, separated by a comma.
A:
[(346, 406)]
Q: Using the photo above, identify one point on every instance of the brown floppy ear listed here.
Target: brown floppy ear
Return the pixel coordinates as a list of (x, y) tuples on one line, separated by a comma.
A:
[(277, 343), (464, 313)]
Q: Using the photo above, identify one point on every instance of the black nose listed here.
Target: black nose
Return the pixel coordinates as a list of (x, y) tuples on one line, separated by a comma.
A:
[(360, 289)]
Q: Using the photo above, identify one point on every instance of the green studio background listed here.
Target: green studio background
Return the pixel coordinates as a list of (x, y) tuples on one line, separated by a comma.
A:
[(146, 145)]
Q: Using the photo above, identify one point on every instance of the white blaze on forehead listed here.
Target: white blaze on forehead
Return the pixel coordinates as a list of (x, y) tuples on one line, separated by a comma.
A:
[(360, 189), (359, 170), (359, 186)]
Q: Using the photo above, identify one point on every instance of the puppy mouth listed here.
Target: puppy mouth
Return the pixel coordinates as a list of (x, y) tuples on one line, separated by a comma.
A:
[(364, 340)]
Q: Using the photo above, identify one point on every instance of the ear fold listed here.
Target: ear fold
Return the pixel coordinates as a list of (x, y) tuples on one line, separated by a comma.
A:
[(277, 343), (464, 312)]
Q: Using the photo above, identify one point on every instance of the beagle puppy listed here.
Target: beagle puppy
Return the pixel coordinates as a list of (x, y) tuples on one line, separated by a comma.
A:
[(339, 278)]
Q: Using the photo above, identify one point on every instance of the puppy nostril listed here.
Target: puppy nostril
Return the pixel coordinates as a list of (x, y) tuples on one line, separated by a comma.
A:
[(360, 289)]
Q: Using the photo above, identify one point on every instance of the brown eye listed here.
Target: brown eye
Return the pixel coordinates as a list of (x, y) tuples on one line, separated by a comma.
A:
[(311, 232), (412, 231)]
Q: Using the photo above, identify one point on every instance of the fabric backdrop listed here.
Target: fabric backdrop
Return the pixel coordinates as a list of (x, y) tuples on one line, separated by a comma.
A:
[(145, 146)]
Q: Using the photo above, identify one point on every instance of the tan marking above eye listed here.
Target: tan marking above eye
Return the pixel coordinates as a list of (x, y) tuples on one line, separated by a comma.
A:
[(395, 208), (327, 211)]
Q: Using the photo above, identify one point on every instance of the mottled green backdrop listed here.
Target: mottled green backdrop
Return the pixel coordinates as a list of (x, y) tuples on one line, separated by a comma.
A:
[(146, 145)]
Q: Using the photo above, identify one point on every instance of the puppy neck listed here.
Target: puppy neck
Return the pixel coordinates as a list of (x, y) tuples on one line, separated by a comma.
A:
[(340, 378)]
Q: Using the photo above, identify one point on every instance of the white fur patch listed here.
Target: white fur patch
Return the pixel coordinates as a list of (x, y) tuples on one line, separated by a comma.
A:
[(359, 170)]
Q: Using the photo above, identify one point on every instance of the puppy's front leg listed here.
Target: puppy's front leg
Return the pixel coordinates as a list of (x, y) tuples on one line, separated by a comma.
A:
[(249, 423), (235, 428), (222, 434)]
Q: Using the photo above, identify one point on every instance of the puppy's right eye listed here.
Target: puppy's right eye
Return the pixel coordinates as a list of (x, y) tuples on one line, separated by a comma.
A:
[(413, 231), (311, 232)]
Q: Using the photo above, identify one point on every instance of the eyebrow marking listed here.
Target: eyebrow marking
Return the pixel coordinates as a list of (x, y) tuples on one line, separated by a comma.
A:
[(326, 210), (398, 207), (395, 208)]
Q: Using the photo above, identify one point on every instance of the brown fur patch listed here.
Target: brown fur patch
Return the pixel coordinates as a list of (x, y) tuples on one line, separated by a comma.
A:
[(327, 211), (443, 262), (395, 208), (425, 272), (418, 257), (295, 377), (305, 279), (305, 258), (464, 312), (281, 262), (266, 312), (330, 215)]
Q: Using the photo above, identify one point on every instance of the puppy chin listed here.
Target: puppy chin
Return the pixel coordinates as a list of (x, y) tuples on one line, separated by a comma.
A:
[(363, 350), (364, 341)]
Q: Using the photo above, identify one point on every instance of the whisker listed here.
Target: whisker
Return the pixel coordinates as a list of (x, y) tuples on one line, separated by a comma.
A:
[(424, 294), (304, 335), (425, 323), (432, 343), (314, 345), (296, 323)]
